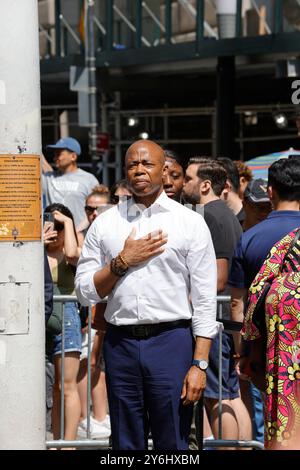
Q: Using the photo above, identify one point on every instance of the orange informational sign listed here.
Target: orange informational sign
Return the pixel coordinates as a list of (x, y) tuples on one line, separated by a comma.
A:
[(20, 198)]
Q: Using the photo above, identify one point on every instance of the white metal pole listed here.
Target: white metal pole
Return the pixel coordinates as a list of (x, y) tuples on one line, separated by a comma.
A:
[(118, 137), (90, 63), (22, 340), (226, 14), (104, 128)]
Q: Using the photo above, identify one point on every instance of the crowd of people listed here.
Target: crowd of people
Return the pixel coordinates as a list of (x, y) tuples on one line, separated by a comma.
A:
[(150, 255)]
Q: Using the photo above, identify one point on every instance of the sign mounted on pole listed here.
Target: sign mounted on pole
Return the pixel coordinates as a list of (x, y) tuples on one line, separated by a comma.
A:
[(20, 198), (102, 143)]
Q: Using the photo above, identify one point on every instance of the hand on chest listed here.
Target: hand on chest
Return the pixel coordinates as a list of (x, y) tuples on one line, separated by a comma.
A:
[(114, 243)]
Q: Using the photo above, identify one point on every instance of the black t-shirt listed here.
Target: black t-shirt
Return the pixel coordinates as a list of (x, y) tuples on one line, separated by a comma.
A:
[(241, 216), (225, 231)]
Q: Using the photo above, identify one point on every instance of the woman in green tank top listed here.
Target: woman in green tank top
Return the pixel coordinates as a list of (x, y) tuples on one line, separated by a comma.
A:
[(63, 253)]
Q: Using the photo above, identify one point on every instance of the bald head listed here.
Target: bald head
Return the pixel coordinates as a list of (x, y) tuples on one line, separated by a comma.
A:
[(146, 147), (145, 166)]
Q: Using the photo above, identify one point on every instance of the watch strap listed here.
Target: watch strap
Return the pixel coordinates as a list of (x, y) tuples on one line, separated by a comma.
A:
[(202, 364)]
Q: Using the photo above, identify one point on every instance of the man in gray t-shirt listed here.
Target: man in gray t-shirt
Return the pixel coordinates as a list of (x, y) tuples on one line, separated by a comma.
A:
[(69, 185)]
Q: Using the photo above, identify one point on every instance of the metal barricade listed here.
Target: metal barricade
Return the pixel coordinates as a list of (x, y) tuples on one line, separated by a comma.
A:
[(88, 442), (232, 443), (229, 326)]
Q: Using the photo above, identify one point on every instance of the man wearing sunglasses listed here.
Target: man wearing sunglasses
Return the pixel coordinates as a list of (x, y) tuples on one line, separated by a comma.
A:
[(98, 199), (96, 202)]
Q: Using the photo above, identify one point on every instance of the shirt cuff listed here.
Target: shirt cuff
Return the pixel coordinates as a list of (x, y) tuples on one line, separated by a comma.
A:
[(206, 329), (86, 290)]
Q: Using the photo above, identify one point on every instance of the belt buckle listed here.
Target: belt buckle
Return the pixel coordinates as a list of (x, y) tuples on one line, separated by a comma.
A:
[(140, 331)]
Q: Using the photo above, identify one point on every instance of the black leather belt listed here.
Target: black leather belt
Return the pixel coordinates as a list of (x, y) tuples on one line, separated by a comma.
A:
[(151, 329)]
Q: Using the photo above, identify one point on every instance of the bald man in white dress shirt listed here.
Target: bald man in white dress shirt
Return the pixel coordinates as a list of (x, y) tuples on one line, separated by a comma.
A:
[(151, 255)]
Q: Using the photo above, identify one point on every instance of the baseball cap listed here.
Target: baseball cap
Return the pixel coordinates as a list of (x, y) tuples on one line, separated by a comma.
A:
[(67, 143), (256, 191)]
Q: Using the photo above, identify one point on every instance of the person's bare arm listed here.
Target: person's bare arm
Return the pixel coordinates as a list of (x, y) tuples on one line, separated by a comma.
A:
[(133, 253), (238, 296), (98, 322), (222, 273), (195, 380), (71, 248), (105, 280), (80, 238), (46, 167)]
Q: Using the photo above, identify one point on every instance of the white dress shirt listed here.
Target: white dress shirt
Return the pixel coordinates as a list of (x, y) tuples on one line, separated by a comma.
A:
[(158, 289)]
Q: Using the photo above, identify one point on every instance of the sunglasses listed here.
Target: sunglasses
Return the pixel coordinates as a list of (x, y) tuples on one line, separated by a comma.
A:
[(115, 198), (90, 209)]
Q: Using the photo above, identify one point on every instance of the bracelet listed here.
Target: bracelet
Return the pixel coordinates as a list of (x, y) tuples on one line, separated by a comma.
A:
[(123, 260), (118, 268)]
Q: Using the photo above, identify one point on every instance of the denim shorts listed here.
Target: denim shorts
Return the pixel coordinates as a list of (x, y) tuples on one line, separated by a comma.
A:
[(73, 335), (230, 381)]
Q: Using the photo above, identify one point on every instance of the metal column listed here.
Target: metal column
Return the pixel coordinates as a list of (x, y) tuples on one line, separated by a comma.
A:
[(90, 63), (104, 128), (22, 353), (225, 107), (118, 137)]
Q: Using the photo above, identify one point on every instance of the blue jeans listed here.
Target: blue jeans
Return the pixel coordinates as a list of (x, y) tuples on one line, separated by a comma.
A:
[(258, 414)]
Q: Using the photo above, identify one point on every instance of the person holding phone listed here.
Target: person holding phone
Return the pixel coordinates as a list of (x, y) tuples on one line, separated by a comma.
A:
[(63, 252)]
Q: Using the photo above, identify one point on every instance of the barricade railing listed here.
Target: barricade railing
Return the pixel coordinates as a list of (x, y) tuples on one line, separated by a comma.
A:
[(228, 326), (88, 442), (232, 443)]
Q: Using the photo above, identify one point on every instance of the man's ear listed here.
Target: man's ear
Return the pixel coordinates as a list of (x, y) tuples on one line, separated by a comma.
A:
[(74, 157), (226, 190), (228, 186), (205, 186), (270, 193), (242, 180)]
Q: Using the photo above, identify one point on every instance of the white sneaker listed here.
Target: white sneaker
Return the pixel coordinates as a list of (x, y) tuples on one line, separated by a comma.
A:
[(98, 430), (105, 422), (82, 428)]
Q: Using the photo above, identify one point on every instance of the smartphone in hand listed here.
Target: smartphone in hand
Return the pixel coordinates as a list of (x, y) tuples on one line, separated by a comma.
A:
[(48, 221)]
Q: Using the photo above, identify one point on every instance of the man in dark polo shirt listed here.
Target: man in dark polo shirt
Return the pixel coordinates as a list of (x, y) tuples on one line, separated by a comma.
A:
[(255, 243)]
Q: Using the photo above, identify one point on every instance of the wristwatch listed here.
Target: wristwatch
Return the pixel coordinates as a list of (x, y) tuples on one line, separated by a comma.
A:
[(202, 364)]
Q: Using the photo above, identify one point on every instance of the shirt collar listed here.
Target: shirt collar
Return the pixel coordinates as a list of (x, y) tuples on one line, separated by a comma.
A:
[(162, 201), (282, 213)]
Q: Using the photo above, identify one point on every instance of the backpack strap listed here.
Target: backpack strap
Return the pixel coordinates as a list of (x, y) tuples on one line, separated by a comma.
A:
[(291, 247)]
